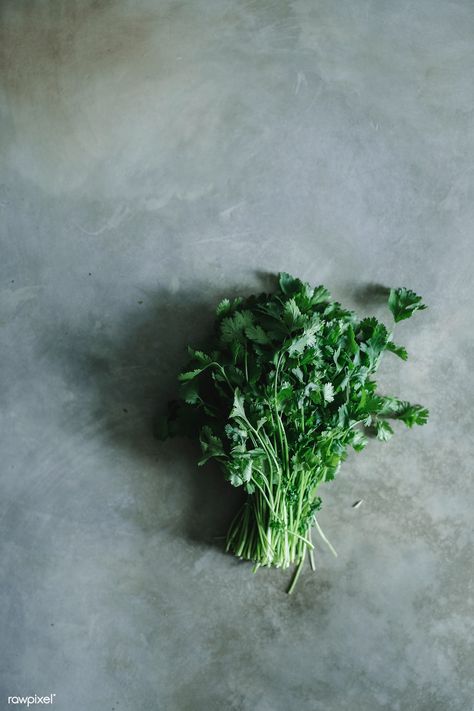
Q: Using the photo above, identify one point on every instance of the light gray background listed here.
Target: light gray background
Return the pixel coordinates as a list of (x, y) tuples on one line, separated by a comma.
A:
[(157, 156)]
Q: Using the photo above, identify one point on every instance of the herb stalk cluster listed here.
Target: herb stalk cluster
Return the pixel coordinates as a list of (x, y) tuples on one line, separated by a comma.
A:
[(283, 388)]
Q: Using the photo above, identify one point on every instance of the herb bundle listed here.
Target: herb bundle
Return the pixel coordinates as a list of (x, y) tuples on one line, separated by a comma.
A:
[(283, 388)]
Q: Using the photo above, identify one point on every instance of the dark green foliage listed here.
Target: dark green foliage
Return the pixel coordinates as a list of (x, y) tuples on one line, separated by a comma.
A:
[(282, 390), (403, 303)]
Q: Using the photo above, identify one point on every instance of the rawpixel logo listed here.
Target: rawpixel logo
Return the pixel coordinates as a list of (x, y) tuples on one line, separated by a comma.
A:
[(31, 700)]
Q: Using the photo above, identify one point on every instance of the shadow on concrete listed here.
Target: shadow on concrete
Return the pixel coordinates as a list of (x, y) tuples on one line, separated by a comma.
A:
[(371, 294), (122, 379)]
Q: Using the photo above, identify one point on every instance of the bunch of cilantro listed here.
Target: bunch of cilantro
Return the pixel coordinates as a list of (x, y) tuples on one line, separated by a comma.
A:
[(283, 388)]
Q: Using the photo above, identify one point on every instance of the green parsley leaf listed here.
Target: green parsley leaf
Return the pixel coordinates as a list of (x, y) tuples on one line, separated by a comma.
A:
[(189, 375), (292, 315), (320, 295), (400, 351), (328, 392), (288, 284), (211, 445), (223, 308), (238, 406), (233, 327), (413, 415), (306, 340), (403, 303), (384, 431), (256, 333)]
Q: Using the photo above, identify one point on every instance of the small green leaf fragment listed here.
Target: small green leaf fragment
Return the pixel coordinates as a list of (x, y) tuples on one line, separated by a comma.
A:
[(233, 327), (320, 295), (247, 472), (384, 431), (189, 375), (352, 346), (328, 392), (223, 308), (211, 445), (190, 392), (359, 440), (238, 406), (400, 351), (414, 415), (202, 358), (403, 303), (289, 285), (307, 340), (292, 315), (255, 333)]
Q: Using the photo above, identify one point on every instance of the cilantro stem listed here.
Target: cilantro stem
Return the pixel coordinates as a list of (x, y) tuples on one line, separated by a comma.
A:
[(320, 531), (264, 494), (296, 576)]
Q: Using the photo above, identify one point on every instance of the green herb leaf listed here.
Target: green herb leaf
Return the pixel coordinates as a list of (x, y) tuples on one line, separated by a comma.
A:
[(413, 415), (223, 308), (257, 334), (238, 405), (189, 375), (288, 284), (292, 316), (403, 303), (233, 327), (211, 445), (328, 392), (384, 431), (306, 340), (320, 295), (400, 351)]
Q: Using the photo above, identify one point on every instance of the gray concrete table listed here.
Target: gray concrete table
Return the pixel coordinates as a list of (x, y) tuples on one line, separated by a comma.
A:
[(157, 156)]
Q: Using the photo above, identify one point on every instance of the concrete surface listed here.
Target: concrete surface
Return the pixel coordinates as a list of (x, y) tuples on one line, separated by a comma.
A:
[(159, 155)]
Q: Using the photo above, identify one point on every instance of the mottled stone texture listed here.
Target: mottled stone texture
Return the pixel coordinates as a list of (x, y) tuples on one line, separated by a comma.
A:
[(155, 156)]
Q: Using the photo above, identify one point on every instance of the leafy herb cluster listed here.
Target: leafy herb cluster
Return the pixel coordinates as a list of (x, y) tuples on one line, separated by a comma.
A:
[(284, 387)]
